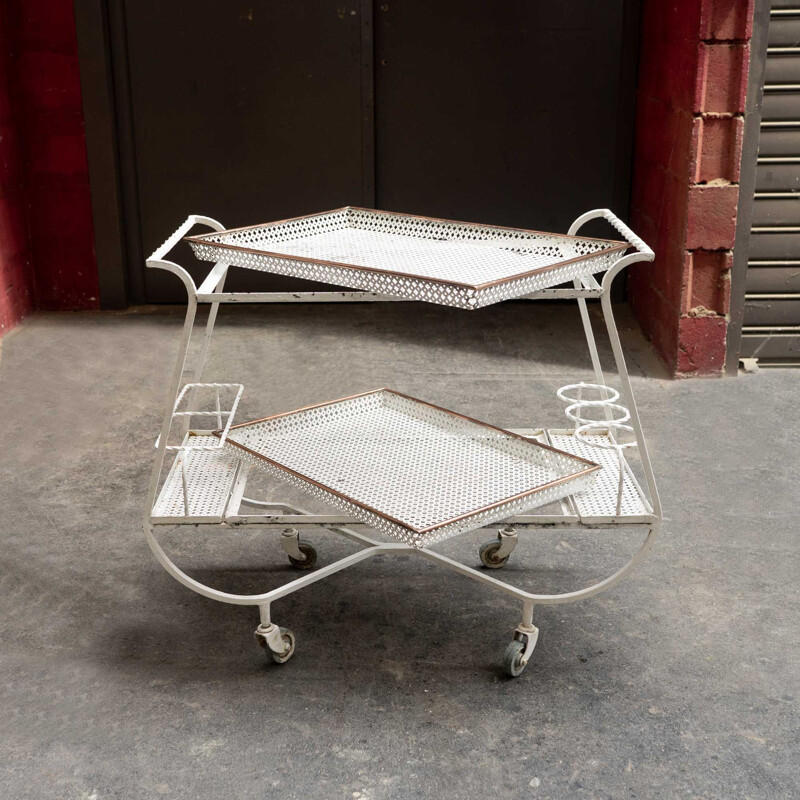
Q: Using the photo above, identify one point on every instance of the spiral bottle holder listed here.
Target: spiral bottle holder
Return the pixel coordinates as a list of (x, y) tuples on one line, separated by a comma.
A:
[(616, 417)]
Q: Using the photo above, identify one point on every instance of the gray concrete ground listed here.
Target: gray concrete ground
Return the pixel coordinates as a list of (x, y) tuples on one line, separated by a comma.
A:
[(116, 682)]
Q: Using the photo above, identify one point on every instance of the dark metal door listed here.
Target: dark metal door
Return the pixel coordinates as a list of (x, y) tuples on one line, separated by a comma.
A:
[(518, 113), (244, 112)]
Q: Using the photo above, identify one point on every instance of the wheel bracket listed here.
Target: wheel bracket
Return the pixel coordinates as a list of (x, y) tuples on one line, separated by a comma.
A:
[(290, 540), (270, 636), (508, 541), (529, 634)]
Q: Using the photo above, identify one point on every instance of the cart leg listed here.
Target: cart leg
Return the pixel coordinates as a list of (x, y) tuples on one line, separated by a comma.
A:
[(629, 401), (197, 375), (526, 635), (494, 554), (302, 555), (279, 641), (589, 333)]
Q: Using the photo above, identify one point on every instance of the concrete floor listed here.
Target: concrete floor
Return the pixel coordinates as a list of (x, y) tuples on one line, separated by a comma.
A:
[(117, 682)]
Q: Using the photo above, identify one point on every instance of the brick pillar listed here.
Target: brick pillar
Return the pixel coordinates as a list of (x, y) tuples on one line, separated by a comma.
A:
[(689, 126)]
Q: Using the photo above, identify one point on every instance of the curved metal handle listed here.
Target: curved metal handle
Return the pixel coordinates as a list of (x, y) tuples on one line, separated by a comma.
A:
[(185, 227), (618, 224), (157, 261)]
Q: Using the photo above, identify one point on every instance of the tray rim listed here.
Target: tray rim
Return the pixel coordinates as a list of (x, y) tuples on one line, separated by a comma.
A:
[(205, 239), (591, 465)]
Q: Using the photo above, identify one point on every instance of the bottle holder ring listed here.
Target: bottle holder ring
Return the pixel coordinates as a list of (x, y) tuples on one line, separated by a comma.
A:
[(611, 395), (594, 398), (615, 415), (591, 429)]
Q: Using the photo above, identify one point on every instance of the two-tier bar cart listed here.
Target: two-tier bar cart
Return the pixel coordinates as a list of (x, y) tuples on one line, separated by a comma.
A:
[(387, 462)]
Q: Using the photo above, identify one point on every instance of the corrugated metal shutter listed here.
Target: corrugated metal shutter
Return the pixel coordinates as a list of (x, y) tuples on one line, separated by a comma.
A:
[(772, 303)]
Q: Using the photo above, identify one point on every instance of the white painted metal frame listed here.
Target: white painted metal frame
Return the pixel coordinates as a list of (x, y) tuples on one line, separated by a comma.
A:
[(280, 515)]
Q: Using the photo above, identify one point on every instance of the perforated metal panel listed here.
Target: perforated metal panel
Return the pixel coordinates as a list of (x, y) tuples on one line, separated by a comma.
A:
[(409, 469), (209, 478), (599, 501), (439, 261)]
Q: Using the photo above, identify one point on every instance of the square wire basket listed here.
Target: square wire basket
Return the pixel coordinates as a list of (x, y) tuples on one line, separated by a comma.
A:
[(440, 261), (407, 468)]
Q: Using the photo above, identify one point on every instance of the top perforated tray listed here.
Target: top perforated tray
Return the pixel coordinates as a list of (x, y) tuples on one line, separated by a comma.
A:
[(405, 467), (419, 258)]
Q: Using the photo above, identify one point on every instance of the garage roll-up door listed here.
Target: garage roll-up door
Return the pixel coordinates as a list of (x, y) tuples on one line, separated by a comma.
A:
[(772, 303)]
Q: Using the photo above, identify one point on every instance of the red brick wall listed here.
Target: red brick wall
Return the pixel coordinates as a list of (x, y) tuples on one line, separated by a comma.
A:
[(692, 82), (41, 79)]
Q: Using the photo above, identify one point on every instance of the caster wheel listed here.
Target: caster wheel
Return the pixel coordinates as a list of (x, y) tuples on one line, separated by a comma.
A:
[(308, 550), (288, 638), (487, 553), (513, 658)]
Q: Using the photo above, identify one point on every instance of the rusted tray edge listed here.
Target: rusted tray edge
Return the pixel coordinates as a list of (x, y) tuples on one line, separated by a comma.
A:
[(206, 239), (591, 466)]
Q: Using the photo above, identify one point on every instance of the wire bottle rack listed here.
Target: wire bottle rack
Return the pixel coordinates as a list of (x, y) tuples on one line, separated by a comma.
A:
[(386, 462)]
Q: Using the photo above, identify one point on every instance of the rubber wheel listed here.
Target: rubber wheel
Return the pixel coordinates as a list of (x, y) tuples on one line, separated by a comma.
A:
[(488, 558), (287, 637), (308, 550), (513, 658)]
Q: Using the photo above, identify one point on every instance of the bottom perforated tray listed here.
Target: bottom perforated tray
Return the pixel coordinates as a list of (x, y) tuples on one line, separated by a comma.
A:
[(415, 471)]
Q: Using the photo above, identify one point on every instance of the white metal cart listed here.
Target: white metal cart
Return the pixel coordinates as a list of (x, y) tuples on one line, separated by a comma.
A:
[(341, 451)]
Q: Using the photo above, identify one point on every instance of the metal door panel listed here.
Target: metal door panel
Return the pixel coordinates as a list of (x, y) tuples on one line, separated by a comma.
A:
[(772, 285), (774, 245), (244, 113), (771, 311), (785, 31), (783, 68), (515, 116), (779, 141), (780, 105), (771, 345), (774, 279), (768, 210), (778, 177)]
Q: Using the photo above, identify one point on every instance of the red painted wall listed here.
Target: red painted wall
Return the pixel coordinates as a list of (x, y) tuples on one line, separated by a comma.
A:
[(16, 278), (49, 182), (690, 100)]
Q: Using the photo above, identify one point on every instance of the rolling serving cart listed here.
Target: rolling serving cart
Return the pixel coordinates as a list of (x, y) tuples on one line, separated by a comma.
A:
[(387, 462)]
